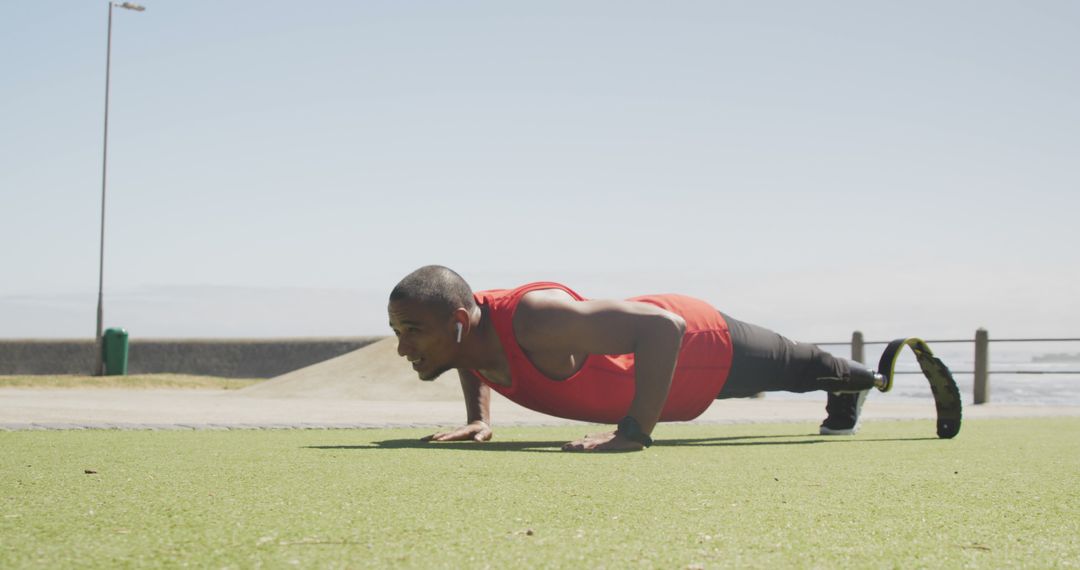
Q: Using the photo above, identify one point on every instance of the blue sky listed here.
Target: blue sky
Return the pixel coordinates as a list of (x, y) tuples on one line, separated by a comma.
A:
[(274, 168)]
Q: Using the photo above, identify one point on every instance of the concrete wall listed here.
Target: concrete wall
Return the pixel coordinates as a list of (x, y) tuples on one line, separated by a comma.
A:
[(230, 358)]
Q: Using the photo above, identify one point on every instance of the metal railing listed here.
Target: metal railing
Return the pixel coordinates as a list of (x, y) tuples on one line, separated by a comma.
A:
[(982, 370)]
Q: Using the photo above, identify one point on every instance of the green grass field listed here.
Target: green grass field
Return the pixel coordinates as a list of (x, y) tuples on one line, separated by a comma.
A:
[(132, 382), (1005, 493)]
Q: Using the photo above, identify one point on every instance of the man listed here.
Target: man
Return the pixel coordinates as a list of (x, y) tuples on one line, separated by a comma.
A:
[(635, 362)]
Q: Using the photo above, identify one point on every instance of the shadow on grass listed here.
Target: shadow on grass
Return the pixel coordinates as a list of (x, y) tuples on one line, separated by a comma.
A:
[(556, 446), (728, 441), (534, 446)]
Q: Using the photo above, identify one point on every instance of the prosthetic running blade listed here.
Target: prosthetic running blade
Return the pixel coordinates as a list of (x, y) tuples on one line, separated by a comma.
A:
[(942, 384)]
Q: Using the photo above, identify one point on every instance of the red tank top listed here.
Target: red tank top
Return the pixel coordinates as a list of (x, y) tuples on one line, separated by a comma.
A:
[(602, 390)]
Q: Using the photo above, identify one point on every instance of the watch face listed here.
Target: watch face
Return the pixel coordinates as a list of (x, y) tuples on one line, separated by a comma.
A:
[(631, 429)]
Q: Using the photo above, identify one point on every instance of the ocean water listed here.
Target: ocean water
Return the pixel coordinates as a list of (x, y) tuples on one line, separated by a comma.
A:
[(1004, 387)]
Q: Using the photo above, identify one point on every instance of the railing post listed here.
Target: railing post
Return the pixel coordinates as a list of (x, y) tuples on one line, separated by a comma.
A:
[(982, 366), (857, 353)]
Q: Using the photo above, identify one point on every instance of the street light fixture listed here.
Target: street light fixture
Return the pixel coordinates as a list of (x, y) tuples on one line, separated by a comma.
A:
[(100, 368)]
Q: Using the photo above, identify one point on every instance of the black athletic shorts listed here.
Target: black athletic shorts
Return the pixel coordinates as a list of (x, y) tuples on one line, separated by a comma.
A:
[(764, 361)]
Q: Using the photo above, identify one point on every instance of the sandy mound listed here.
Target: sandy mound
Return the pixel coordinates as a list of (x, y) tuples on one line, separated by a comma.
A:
[(374, 372)]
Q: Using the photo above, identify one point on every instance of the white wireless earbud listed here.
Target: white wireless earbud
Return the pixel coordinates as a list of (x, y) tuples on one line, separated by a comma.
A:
[(458, 332)]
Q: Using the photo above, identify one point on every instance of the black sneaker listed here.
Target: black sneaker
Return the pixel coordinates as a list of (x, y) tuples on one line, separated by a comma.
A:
[(843, 410)]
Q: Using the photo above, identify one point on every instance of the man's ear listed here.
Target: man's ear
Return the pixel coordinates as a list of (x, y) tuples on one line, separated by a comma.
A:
[(461, 322)]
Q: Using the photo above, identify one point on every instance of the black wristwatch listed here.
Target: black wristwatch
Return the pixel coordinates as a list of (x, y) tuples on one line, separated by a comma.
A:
[(631, 429)]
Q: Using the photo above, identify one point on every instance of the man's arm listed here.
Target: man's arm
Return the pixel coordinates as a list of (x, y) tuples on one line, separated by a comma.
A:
[(477, 398), (477, 412), (653, 335)]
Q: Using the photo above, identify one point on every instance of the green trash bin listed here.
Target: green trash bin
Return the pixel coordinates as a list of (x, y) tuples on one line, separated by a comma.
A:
[(115, 352)]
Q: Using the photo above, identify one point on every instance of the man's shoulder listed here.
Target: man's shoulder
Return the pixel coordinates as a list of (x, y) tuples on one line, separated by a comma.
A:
[(534, 313), (545, 298), (534, 291)]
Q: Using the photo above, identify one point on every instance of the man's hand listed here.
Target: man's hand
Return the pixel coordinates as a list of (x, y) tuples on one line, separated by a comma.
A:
[(609, 441), (477, 431)]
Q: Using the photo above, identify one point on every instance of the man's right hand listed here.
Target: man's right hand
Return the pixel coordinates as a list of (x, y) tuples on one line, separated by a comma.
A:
[(477, 431)]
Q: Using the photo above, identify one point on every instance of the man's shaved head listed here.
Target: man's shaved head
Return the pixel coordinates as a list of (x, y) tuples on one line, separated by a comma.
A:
[(438, 287)]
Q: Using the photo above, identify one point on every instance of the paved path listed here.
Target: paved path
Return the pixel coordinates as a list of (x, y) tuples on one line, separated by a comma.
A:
[(207, 409)]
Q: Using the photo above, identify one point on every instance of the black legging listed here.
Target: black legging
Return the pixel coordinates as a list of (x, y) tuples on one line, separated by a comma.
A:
[(764, 361)]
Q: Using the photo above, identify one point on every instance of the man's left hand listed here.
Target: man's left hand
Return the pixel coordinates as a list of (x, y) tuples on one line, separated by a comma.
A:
[(608, 441)]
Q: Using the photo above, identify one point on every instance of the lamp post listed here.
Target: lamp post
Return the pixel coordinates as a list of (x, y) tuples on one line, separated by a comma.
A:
[(100, 367)]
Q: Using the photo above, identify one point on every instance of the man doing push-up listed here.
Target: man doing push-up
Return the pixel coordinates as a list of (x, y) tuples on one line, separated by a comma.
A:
[(631, 362)]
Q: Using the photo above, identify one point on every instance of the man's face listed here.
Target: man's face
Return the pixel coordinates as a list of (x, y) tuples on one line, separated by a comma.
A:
[(425, 337)]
